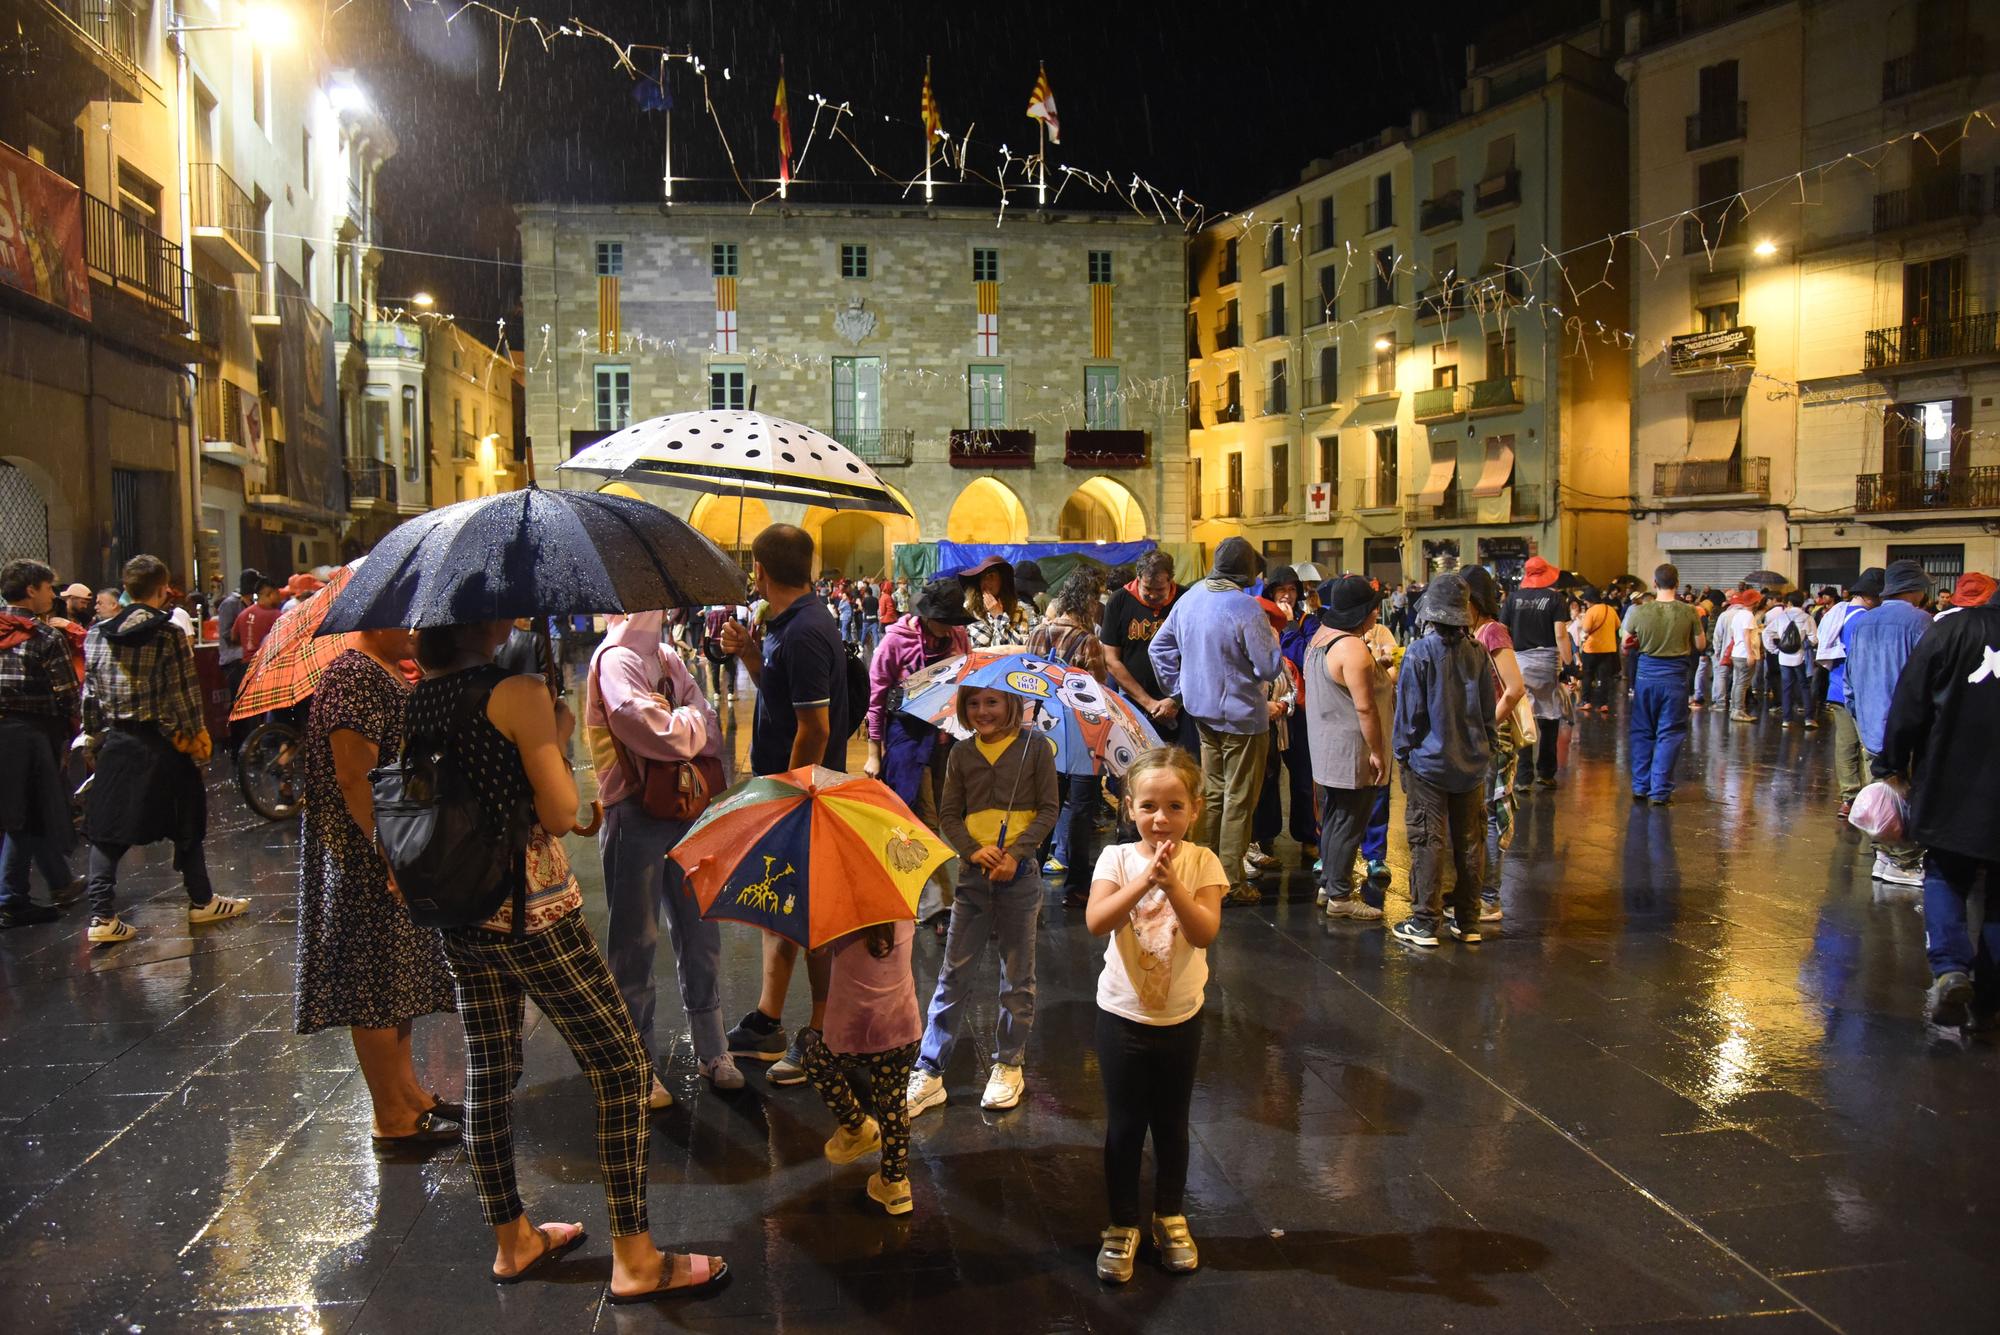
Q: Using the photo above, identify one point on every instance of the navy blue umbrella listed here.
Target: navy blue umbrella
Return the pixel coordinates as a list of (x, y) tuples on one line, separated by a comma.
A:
[(533, 553)]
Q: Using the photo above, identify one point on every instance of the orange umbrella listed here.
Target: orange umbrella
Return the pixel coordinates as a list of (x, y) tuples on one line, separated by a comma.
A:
[(291, 661)]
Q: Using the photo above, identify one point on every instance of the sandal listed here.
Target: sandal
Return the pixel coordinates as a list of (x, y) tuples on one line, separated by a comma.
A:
[(705, 1274), (551, 1251)]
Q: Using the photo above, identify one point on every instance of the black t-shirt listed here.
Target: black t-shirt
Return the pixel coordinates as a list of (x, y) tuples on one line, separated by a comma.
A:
[(1129, 627), (805, 666), (1531, 616)]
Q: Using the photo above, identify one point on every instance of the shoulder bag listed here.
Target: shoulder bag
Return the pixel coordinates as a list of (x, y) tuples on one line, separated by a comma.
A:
[(677, 790)]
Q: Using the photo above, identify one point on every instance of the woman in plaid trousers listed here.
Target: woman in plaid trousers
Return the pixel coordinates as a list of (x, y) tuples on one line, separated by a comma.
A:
[(506, 736)]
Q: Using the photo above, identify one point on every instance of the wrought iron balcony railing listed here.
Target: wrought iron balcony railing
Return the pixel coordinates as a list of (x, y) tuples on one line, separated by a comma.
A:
[(1929, 489), (1691, 478), (1932, 340)]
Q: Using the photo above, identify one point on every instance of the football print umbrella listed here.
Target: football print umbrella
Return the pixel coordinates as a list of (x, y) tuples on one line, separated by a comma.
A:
[(809, 855), (1093, 729)]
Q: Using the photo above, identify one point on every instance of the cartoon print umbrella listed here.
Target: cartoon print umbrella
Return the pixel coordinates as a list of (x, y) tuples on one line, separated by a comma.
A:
[(1093, 729), (290, 661), (809, 855)]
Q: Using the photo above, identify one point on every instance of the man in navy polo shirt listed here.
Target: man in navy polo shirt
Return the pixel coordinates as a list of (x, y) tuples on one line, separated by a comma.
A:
[(801, 719)]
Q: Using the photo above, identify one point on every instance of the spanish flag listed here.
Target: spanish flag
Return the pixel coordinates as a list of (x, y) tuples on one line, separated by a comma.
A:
[(782, 114), (933, 123), (1042, 104)]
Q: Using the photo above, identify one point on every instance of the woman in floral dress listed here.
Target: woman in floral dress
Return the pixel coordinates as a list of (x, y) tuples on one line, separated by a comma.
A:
[(362, 963)]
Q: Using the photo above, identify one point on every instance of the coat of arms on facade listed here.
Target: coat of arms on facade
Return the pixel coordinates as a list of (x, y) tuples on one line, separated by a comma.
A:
[(855, 323)]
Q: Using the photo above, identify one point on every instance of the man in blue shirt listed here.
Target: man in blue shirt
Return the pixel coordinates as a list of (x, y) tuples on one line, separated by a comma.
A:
[(1864, 593), (1878, 644), (1215, 652), (801, 681)]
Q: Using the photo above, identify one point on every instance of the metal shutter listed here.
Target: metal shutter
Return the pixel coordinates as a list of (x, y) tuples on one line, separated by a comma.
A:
[(24, 516), (1724, 568)]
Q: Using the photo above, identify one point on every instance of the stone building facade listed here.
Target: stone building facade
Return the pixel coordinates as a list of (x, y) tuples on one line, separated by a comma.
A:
[(1013, 381)]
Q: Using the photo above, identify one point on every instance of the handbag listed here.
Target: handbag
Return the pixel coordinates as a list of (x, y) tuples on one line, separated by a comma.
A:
[(1526, 730), (677, 790)]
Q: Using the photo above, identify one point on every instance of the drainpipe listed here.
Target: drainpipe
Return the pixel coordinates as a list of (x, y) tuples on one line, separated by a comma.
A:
[(196, 576)]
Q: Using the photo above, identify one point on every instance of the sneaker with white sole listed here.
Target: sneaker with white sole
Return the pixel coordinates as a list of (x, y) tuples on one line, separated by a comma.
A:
[(109, 930), (722, 1072), (1416, 932), (926, 1089), (1887, 870), (1490, 910), (1362, 911), (1004, 1086), (893, 1197), (847, 1146), (217, 908), (1468, 933), (790, 1069), (1321, 897)]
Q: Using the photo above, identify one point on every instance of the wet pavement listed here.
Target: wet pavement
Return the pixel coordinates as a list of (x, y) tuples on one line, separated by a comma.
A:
[(1684, 1087)]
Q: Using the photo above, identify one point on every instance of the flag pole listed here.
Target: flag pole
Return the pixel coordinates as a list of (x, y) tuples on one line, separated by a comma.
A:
[(929, 138), (1042, 189), (667, 158)]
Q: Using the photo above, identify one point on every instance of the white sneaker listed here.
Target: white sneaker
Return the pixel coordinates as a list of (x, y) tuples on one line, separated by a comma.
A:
[(926, 1090), (1887, 870), (110, 930), (218, 908), (1004, 1086), (1257, 856), (1321, 898), (722, 1073)]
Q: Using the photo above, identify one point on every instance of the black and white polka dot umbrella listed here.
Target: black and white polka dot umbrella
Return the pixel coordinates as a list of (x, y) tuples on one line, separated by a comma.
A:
[(732, 452)]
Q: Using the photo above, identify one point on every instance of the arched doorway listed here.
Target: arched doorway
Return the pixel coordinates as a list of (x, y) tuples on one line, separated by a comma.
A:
[(1101, 510), (858, 542), (730, 522), (987, 511)]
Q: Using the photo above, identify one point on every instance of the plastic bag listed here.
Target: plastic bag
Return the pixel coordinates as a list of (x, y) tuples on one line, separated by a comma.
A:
[(1881, 811)]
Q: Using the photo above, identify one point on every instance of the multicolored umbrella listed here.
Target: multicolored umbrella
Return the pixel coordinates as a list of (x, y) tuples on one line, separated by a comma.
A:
[(1093, 729), (290, 661), (809, 855)]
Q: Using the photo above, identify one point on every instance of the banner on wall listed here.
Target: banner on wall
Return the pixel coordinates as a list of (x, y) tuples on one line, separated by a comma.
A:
[(41, 234), (306, 400)]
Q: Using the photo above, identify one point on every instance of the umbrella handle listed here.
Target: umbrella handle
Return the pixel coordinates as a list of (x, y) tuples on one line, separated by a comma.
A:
[(596, 819)]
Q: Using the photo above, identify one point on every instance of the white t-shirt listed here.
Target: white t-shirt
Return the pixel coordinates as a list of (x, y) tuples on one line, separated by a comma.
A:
[(1137, 984), (1737, 625)]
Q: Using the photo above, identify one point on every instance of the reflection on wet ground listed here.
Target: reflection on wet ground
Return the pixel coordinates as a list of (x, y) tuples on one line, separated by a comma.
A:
[(1684, 1087)]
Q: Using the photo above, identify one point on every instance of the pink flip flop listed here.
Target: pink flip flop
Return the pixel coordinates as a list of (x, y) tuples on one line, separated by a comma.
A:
[(701, 1279)]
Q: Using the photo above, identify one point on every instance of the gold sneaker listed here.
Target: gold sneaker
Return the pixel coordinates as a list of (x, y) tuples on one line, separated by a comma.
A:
[(1176, 1247), (891, 1196), (1115, 1257), (847, 1146)]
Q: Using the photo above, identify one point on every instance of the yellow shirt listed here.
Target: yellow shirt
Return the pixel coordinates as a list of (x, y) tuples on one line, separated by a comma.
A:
[(1600, 629), (985, 825)]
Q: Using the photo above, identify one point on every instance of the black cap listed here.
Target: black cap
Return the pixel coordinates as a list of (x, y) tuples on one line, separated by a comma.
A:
[(1346, 601), (1868, 583), (943, 599)]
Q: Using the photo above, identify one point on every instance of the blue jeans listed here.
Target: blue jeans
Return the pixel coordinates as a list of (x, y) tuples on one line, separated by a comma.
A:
[(642, 884), (1659, 724), (1375, 836), (981, 911), (1795, 684), (19, 852), (1703, 666), (1949, 878)]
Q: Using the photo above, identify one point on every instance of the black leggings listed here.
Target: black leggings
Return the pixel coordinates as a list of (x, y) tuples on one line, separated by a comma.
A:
[(1148, 1074)]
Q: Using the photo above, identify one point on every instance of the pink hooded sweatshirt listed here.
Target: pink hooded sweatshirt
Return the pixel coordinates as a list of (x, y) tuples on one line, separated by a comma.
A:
[(639, 686), (899, 655)]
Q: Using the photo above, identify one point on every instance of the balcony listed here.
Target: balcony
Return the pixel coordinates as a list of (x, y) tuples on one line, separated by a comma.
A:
[(1429, 405), (1497, 192), (133, 258), (1931, 489), (1271, 503), (464, 446), (991, 447), (265, 316), (1938, 200), (1194, 422), (73, 51), (1931, 341), (1322, 391), (225, 219), (1694, 479), (1378, 378), (1374, 493), (1097, 449), (1275, 401), (1274, 252), (370, 482), (1320, 237), (1381, 214), (884, 447), (394, 339), (211, 315), (1515, 504), (1498, 394), (220, 404), (1222, 505), (1227, 275), (1712, 350), (1444, 211), (1710, 230), (361, 223), (1228, 410), (1227, 336), (1931, 66), (1379, 292), (1717, 125), (1274, 323), (1448, 510)]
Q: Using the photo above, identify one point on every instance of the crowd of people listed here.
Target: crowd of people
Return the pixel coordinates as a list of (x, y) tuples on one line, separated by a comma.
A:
[(1284, 705)]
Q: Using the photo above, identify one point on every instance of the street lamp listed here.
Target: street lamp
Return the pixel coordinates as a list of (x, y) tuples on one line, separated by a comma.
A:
[(423, 301), (1765, 249)]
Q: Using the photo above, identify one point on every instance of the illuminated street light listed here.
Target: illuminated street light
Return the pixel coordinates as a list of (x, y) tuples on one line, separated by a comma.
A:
[(1382, 344), (1765, 249)]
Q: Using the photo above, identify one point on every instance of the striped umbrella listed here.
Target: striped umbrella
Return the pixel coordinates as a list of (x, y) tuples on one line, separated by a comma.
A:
[(809, 855), (290, 661)]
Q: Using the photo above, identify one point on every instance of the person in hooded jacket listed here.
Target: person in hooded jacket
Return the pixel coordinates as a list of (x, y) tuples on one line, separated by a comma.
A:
[(142, 715), (642, 705), (37, 720)]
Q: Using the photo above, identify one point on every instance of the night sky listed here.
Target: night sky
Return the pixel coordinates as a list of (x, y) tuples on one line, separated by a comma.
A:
[(1226, 108)]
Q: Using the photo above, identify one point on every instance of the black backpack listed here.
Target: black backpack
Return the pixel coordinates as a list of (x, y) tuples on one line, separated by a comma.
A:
[(453, 865), (1789, 639)]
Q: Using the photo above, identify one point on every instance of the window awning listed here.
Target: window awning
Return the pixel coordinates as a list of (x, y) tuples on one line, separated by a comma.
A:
[(1444, 462), (1499, 249), (1499, 154), (1713, 439), (1498, 469)]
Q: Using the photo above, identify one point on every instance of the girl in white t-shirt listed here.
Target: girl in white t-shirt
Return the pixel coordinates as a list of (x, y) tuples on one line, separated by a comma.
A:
[(1160, 902)]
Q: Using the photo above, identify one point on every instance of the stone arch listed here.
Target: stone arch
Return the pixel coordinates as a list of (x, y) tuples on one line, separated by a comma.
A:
[(1101, 510), (987, 510), (847, 542), (730, 522)]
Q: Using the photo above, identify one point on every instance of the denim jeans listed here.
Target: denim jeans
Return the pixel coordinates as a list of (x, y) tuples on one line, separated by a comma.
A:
[(980, 912), (643, 885), (1343, 822), (1795, 686), (190, 860), (1444, 825), (1703, 678), (1076, 842), (1375, 838), (1949, 879), (18, 853), (1659, 724)]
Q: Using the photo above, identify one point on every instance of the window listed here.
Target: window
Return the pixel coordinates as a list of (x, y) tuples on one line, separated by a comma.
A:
[(1500, 358), (610, 259), (1944, 562), (987, 386), (614, 397), (1329, 291), (375, 425), (1228, 274), (1233, 501), (1385, 369), (1385, 276), (985, 264), (1324, 237), (308, 272), (1928, 437), (1100, 398), (1934, 293), (1499, 250), (857, 401), (1499, 156), (1274, 393), (722, 259), (260, 89), (1716, 220), (1100, 266), (1384, 212), (1328, 388), (727, 387), (343, 260), (1385, 466), (1444, 263), (1326, 554), (306, 160), (1718, 116), (853, 260), (1716, 301), (1329, 459), (1277, 552), (1274, 247), (412, 444), (477, 434), (458, 426), (1232, 392), (1444, 177), (1232, 321), (1281, 479), (138, 197), (1274, 314), (1444, 376)]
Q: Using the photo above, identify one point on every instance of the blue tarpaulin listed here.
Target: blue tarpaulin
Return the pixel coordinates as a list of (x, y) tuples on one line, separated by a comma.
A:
[(953, 557)]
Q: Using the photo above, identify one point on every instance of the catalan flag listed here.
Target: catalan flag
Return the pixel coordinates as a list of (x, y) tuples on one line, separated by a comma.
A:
[(933, 123), (1042, 105), (608, 330), (781, 112), (725, 314), (986, 329), (1100, 320)]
